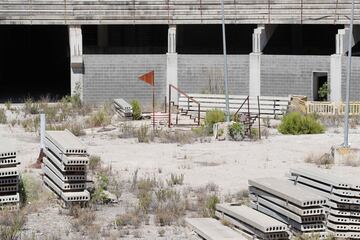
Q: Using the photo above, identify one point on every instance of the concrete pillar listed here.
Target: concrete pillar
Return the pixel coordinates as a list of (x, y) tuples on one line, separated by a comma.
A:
[(336, 60), (76, 60), (172, 62), (261, 36)]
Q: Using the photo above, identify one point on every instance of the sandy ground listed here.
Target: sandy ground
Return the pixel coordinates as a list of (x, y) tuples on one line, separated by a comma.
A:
[(227, 164)]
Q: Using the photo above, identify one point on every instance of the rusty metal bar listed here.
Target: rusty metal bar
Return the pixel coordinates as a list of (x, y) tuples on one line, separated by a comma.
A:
[(258, 99), (169, 106), (241, 106)]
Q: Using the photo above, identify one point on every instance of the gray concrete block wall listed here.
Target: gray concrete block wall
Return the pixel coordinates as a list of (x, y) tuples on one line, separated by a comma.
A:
[(354, 81), (283, 75), (204, 73), (116, 76)]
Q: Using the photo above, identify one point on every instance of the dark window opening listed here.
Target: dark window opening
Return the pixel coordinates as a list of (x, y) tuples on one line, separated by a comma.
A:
[(303, 40), (125, 39), (207, 39), (320, 86), (34, 62)]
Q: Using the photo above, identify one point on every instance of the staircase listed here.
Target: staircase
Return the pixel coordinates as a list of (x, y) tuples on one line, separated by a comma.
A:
[(248, 117)]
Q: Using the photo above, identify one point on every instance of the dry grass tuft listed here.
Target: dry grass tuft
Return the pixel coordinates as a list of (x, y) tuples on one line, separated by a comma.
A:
[(320, 160)]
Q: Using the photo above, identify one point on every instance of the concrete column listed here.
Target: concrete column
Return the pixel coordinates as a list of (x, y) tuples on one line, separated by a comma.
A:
[(76, 60), (172, 62), (336, 60), (260, 37)]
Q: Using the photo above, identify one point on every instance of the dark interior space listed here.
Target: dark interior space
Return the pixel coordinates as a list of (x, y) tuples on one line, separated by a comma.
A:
[(125, 39), (303, 40), (34, 62), (320, 90), (207, 39)]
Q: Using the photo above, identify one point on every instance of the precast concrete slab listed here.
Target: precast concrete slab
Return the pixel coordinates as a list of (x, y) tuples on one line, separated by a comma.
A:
[(333, 197), (336, 181), (14, 198), (253, 218), (6, 162), (326, 188), (9, 189), (300, 211), (249, 231), (343, 227), (210, 229), (67, 176), (9, 181), (10, 206), (66, 142), (66, 159), (78, 196), (342, 213), (61, 166), (9, 172), (61, 184), (343, 220), (345, 235), (313, 227), (288, 191)]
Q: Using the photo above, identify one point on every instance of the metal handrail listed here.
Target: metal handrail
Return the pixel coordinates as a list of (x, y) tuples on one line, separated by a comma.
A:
[(189, 99), (246, 99)]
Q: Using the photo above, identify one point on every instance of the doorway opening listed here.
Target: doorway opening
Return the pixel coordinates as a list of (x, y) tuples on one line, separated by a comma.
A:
[(320, 86)]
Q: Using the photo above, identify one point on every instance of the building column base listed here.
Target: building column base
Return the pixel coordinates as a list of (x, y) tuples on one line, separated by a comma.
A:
[(255, 74)]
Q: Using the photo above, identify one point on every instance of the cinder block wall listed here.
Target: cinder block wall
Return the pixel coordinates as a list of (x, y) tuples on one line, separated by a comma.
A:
[(204, 73), (283, 75), (116, 76), (354, 81)]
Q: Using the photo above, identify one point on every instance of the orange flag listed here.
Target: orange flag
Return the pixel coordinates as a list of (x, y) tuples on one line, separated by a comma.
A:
[(148, 78)]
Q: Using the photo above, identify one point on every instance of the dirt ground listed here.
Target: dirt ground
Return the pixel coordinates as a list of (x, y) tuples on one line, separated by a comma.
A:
[(227, 164)]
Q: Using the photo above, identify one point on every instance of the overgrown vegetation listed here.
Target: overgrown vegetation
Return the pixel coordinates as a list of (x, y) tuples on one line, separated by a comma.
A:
[(3, 118), (136, 108), (325, 160), (213, 116), (11, 224), (295, 123), (236, 131), (101, 117)]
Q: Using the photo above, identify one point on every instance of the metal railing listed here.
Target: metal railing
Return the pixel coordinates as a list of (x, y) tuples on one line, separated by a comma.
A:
[(189, 99)]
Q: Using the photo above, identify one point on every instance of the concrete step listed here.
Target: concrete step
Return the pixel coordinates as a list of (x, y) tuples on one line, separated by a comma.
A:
[(211, 229)]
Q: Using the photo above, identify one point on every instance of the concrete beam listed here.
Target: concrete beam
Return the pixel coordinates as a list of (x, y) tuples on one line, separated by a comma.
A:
[(76, 60), (261, 37), (342, 38)]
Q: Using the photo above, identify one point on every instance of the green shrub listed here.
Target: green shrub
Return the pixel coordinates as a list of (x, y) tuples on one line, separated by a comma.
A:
[(94, 162), (210, 209), (295, 123), (3, 119), (136, 108), (213, 116), (236, 131)]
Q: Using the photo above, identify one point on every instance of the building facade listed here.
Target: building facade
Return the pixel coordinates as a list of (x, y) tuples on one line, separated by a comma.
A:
[(98, 48)]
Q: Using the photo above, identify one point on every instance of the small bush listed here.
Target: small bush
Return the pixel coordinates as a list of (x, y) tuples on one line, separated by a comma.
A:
[(101, 118), (8, 105), (209, 210), (31, 107), (212, 117), (3, 119), (132, 218), (324, 160), (11, 224), (127, 131), (175, 180), (94, 162), (143, 134), (136, 108), (236, 131), (295, 123)]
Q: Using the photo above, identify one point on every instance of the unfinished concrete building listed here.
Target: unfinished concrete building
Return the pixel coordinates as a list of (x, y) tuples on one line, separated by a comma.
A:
[(99, 48)]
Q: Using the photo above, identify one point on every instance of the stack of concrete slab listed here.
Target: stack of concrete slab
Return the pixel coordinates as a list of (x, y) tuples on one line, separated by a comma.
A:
[(9, 176), (210, 229), (252, 223), (123, 108), (301, 210), (65, 166), (343, 195)]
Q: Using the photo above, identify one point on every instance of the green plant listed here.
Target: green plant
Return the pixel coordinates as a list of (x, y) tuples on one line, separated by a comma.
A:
[(213, 116), (324, 92), (143, 134), (11, 224), (8, 105), (100, 118), (3, 119), (210, 209), (136, 108), (236, 131), (94, 162), (295, 123)]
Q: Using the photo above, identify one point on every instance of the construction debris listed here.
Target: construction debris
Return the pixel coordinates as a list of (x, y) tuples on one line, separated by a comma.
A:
[(9, 177), (65, 166), (300, 209), (343, 194), (123, 108), (252, 223)]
